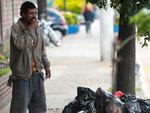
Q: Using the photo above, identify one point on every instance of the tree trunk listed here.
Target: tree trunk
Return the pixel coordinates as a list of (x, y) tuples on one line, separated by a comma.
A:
[(125, 75)]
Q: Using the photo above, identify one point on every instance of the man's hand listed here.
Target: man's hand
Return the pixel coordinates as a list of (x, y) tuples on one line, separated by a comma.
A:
[(48, 73), (34, 24)]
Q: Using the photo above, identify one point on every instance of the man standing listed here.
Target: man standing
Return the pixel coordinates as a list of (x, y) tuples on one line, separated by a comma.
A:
[(27, 59)]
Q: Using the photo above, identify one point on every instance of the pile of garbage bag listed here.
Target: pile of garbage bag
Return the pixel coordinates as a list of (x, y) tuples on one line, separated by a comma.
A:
[(83, 102), (88, 101)]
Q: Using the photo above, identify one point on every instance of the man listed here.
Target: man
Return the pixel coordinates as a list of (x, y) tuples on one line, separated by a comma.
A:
[(27, 58), (88, 17)]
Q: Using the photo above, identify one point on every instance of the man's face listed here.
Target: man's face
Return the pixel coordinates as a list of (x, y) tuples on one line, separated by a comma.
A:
[(31, 14)]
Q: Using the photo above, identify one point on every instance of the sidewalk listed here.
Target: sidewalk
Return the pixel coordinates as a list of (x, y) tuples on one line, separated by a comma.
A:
[(61, 89)]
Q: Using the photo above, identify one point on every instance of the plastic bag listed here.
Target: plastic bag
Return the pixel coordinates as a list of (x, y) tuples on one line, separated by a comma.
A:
[(131, 104), (135, 105), (84, 102), (114, 107), (107, 103)]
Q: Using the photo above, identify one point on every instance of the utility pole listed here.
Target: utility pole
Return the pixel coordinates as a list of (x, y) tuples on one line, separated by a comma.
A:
[(13, 11), (106, 34), (42, 10)]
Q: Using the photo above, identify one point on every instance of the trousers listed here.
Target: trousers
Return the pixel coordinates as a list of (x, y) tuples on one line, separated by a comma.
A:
[(29, 94), (88, 26)]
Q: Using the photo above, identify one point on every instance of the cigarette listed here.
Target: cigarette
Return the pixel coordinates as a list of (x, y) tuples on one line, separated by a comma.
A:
[(34, 19)]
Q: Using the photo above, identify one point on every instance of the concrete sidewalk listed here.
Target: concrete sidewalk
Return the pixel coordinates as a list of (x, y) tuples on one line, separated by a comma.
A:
[(71, 73), (62, 88), (67, 76)]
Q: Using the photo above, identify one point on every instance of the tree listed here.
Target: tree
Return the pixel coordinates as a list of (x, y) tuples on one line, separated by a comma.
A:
[(71, 5), (125, 73), (142, 20)]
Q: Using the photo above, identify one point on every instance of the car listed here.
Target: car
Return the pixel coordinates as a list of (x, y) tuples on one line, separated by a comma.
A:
[(57, 22)]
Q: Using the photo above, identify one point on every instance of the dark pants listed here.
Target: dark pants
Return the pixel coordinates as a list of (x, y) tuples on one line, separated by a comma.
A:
[(29, 94), (88, 26)]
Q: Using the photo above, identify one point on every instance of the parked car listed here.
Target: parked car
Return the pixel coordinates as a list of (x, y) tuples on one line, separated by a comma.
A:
[(57, 22)]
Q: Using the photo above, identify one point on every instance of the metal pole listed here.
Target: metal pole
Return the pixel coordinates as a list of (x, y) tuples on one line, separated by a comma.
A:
[(65, 5), (42, 11), (13, 11), (1, 27)]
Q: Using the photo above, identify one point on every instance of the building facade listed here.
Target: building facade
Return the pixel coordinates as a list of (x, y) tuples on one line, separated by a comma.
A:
[(9, 11)]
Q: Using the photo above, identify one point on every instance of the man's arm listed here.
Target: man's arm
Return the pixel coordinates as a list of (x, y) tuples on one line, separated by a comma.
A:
[(21, 39), (45, 60)]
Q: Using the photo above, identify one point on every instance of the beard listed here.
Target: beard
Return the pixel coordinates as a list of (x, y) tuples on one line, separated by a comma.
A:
[(31, 20)]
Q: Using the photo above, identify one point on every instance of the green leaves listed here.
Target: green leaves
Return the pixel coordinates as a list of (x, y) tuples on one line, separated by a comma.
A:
[(71, 18), (142, 20), (99, 3), (130, 7), (4, 71), (74, 6)]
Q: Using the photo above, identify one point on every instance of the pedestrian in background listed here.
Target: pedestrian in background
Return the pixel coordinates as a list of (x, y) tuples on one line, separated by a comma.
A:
[(89, 18), (27, 59)]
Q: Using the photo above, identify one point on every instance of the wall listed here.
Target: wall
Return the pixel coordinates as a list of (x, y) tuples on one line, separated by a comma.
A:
[(5, 91), (10, 10)]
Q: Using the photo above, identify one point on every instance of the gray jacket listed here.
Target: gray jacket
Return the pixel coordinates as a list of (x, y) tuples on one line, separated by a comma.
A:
[(22, 52)]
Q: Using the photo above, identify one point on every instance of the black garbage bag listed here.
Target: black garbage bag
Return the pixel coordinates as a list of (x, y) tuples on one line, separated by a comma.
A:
[(131, 104), (115, 107), (135, 105), (144, 105), (107, 103), (72, 107), (84, 101)]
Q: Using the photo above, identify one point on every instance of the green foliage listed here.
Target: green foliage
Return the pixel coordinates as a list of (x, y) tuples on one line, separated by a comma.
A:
[(59, 3), (4, 71), (99, 3), (142, 20), (71, 18), (130, 7), (138, 90), (3, 57), (74, 6), (116, 20)]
